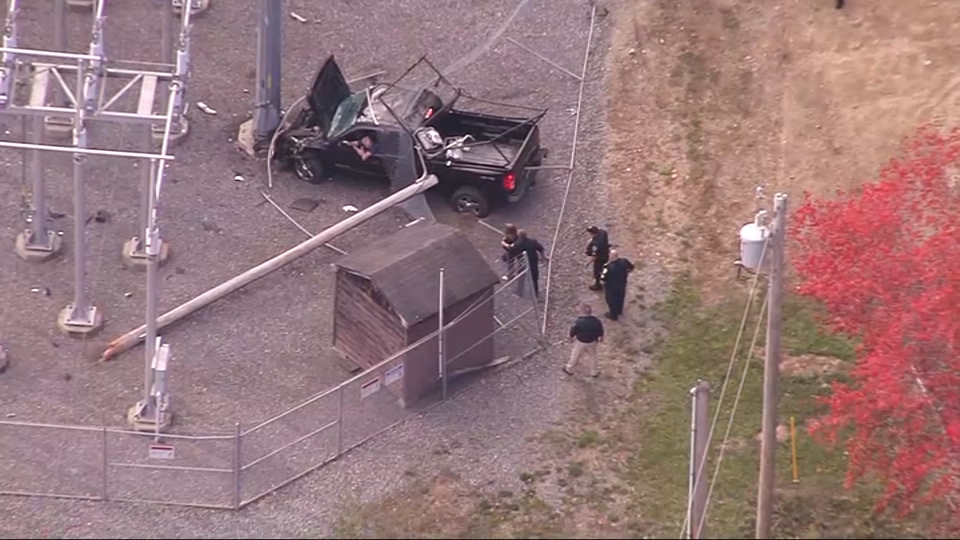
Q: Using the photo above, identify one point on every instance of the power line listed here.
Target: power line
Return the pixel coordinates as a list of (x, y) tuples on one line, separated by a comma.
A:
[(726, 379), (733, 412)]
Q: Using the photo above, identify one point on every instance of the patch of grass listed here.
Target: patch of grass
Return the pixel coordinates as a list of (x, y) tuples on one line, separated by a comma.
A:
[(588, 438), (445, 508), (698, 346)]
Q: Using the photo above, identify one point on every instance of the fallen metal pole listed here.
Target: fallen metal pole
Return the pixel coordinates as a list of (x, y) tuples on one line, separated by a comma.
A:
[(131, 339)]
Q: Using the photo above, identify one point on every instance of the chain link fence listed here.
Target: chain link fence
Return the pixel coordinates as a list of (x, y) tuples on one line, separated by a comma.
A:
[(231, 470)]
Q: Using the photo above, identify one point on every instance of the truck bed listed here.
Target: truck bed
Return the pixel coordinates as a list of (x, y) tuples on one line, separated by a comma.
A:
[(495, 144)]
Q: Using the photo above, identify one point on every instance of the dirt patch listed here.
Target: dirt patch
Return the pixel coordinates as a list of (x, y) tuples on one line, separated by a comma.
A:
[(811, 365), (711, 98)]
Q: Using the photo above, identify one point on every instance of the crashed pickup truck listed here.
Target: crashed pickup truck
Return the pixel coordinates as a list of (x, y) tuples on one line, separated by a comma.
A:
[(404, 130)]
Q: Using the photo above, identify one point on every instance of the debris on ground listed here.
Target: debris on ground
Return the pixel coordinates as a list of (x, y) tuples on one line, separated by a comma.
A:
[(206, 108), (100, 216), (299, 18), (350, 208), (44, 290), (55, 215), (305, 204), (238, 178), (127, 294)]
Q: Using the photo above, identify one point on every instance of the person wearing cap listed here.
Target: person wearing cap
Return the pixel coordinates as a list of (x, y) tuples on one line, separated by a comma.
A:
[(599, 252), (614, 279)]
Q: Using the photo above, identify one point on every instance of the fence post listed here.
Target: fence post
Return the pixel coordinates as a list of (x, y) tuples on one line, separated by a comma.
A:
[(105, 464), (237, 466), (339, 421)]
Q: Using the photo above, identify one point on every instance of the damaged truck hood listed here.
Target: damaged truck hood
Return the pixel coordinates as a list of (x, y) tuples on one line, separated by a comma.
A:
[(329, 89)]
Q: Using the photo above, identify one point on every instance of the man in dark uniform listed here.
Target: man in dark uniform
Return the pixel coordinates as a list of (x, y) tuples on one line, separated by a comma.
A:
[(533, 251), (615, 283), (599, 252)]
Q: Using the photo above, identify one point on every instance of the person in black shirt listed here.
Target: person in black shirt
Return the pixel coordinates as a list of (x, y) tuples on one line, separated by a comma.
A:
[(599, 252), (615, 283), (509, 256), (533, 252), (585, 334)]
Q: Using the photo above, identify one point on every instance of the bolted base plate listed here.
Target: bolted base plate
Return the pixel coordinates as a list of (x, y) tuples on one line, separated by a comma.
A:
[(138, 260), (40, 253), (156, 132), (54, 126), (148, 425), (78, 328)]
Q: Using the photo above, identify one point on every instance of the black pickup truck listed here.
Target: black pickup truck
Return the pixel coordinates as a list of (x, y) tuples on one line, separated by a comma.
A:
[(480, 159)]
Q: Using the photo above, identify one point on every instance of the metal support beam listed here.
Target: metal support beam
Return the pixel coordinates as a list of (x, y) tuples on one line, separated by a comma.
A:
[(269, 60), (56, 126), (8, 59), (80, 317), (38, 243), (176, 127), (166, 45)]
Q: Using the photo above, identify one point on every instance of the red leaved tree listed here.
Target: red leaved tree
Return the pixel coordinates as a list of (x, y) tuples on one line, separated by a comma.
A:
[(885, 262)]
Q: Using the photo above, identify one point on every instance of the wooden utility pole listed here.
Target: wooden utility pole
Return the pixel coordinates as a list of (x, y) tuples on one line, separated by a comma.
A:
[(771, 371), (698, 458)]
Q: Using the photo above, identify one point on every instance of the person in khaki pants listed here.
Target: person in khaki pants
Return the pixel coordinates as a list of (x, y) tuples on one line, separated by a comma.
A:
[(585, 334)]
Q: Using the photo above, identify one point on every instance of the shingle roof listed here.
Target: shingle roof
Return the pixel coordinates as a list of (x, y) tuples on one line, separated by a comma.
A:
[(405, 268)]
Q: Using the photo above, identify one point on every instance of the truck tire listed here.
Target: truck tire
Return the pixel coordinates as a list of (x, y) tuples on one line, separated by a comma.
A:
[(309, 170), (470, 200)]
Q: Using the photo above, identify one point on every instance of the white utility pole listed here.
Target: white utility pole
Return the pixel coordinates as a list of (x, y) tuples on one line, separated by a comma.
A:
[(771, 371)]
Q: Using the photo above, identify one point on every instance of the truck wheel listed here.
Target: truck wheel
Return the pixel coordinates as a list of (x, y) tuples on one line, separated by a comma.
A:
[(470, 200), (309, 170)]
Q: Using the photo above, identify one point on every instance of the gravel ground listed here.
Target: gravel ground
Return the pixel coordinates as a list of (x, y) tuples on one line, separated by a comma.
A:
[(483, 433)]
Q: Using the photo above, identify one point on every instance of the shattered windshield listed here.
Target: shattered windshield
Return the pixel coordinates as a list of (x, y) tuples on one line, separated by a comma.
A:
[(347, 113)]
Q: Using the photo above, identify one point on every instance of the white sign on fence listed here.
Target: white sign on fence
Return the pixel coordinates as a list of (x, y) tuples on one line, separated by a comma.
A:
[(369, 388), (393, 374), (161, 451)]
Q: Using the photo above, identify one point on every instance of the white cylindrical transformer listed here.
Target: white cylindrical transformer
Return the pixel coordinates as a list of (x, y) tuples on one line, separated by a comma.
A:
[(752, 238)]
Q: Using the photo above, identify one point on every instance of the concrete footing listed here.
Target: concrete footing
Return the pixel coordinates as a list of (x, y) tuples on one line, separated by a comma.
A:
[(80, 4), (90, 325), (156, 132), (138, 260), (148, 425), (31, 253), (57, 127)]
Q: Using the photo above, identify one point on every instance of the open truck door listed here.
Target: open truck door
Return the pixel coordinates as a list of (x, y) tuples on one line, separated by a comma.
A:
[(329, 89)]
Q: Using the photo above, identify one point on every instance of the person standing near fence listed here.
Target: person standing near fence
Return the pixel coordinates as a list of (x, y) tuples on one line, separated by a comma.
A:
[(509, 256), (614, 279), (533, 251), (586, 335), (599, 252)]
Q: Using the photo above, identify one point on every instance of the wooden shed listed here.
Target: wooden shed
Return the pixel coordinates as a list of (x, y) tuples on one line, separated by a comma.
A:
[(387, 297)]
